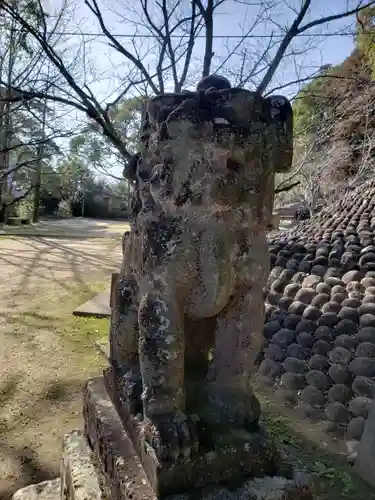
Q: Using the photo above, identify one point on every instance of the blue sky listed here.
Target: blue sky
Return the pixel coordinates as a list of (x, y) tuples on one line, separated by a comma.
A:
[(232, 18), (107, 70)]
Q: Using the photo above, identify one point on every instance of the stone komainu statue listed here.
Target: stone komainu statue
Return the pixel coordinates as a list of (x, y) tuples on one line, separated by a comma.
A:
[(188, 306)]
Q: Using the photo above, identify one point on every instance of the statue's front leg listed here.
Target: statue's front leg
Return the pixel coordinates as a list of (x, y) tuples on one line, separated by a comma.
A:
[(238, 340), (123, 337), (161, 353)]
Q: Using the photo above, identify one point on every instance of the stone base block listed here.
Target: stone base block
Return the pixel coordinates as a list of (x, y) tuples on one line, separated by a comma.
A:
[(235, 456), (47, 490), (80, 477), (123, 476)]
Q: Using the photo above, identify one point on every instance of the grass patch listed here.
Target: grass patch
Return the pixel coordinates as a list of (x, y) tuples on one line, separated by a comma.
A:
[(332, 478), (76, 333)]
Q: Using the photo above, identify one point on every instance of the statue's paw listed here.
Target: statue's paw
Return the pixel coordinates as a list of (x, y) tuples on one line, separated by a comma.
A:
[(173, 437)]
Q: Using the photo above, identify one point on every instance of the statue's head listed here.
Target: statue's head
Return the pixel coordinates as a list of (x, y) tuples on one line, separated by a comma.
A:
[(216, 145)]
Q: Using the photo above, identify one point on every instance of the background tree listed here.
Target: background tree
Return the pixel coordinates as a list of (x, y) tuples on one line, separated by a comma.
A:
[(27, 142), (172, 46)]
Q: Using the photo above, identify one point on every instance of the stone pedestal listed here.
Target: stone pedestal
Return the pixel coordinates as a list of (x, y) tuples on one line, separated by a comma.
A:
[(123, 475)]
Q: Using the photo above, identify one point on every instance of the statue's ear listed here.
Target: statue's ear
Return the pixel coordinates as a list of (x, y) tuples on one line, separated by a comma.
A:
[(280, 117)]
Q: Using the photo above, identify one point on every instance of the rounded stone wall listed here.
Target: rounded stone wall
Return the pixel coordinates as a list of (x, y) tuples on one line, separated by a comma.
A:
[(319, 331)]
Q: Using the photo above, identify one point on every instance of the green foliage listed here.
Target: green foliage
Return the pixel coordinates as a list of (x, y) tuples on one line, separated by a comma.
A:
[(64, 209), (365, 38), (25, 207)]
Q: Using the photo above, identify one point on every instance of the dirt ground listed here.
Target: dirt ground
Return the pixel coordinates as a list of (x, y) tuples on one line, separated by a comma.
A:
[(46, 354)]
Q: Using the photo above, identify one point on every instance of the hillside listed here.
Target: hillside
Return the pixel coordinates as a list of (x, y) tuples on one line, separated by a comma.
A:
[(335, 123)]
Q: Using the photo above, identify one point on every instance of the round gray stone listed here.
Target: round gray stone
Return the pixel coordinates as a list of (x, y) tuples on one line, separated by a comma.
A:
[(291, 290), (345, 341), (320, 300), (305, 325), (305, 295), (311, 281), (293, 381), (324, 288), (297, 351), (365, 349), (324, 333), (339, 374), (305, 339), (321, 347), (331, 307), (270, 328), (284, 337), (349, 313), (291, 321), (367, 319), (352, 276), (363, 366), (269, 368), (336, 412), (297, 307), (318, 379), (319, 362), (355, 428), (311, 313), (294, 365), (340, 393), (328, 319), (360, 406), (366, 334), (364, 386), (274, 353), (340, 355), (367, 308), (346, 327), (313, 396)]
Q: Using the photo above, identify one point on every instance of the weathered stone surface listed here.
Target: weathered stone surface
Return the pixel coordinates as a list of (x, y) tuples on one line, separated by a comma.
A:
[(195, 269), (79, 476), (46, 490), (123, 478)]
